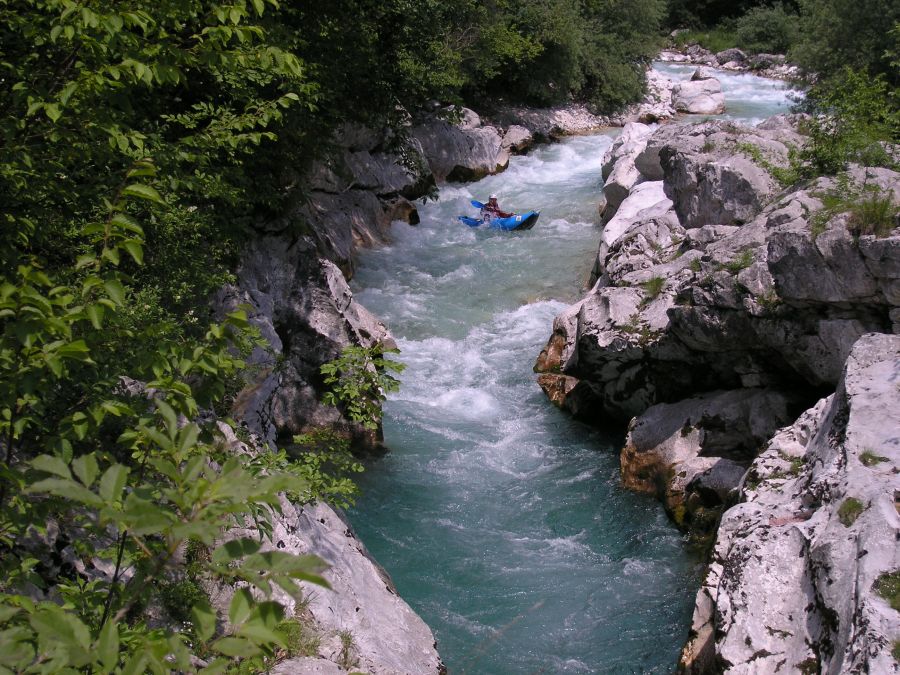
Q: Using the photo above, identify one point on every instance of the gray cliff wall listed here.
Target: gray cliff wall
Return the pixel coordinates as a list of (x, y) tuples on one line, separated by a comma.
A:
[(293, 278), (724, 305)]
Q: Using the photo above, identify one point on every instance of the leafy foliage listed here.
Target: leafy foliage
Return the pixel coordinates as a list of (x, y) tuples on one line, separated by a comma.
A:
[(360, 380), (855, 116), (767, 29), (855, 34)]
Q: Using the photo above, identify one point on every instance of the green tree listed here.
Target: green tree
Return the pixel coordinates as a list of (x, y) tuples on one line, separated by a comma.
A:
[(835, 34), (771, 30)]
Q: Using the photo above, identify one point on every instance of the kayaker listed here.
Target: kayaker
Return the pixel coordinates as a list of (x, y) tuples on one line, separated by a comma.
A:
[(492, 210)]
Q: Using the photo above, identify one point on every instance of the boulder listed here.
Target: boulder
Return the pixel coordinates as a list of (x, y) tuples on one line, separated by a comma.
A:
[(517, 140), (711, 173), (464, 151), (693, 453), (703, 74), (764, 61), (728, 55), (703, 97), (800, 568)]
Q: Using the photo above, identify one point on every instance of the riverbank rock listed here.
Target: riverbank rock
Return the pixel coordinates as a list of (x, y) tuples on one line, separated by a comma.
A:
[(703, 97), (549, 124), (360, 623), (801, 571), (774, 66), (461, 151), (720, 172), (693, 453), (716, 296), (619, 172), (306, 312)]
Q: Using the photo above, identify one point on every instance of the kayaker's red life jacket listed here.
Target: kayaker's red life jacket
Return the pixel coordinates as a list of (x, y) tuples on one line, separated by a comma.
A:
[(492, 209)]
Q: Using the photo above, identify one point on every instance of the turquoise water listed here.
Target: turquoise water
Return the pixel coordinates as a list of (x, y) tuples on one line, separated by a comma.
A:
[(500, 519)]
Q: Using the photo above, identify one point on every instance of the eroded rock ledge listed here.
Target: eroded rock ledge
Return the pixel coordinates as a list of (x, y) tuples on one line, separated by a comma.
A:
[(724, 304), (793, 585)]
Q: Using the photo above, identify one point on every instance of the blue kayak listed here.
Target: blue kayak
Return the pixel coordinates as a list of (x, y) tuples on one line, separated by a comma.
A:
[(518, 221)]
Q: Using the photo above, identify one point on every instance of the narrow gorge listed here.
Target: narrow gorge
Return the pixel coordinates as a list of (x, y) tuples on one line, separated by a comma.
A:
[(505, 523)]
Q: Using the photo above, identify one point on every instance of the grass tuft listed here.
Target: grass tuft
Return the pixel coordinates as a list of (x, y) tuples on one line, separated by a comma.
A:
[(849, 511)]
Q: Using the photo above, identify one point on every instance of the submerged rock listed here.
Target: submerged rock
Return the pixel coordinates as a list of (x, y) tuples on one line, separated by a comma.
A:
[(800, 569)]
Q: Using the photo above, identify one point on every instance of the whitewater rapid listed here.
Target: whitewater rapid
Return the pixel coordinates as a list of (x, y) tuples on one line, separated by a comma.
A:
[(502, 520)]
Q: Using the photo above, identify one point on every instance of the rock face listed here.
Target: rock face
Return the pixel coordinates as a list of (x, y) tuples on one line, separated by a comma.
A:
[(798, 565), (713, 278), (302, 305), (464, 151), (691, 454), (689, 302), (702, 97), (361, 624)]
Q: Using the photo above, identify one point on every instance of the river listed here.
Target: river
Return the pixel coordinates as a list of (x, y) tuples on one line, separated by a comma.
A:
[(501, 520)]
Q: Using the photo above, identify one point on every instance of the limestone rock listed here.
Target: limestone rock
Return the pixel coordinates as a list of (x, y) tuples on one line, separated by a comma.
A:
[(517, 140), (712, 178), (619, 171), (691, 454), (716, 294), (793, 583), (733, 54), (764, 61), (461, 152), (702, 97), (382, 634), (306, 312), (548, 124)]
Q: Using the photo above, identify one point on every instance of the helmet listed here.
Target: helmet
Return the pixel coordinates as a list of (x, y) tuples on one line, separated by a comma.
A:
[(493, 197)]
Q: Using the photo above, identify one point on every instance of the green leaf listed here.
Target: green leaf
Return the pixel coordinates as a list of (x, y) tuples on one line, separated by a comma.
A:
[(168, 415), (77, 350), (128, 223), (85, 467), (115, 290), (113, 482), (204, 620), (187, 437), (95, 315), (54, 626), (108, 646), (7, 612), (135, 249), (66, 488), (234, 549), (51, 464), (52, 111), (230, 646), (141, 191), (241, 606)]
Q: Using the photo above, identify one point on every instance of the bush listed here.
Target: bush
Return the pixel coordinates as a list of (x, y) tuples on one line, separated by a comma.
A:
[(836, 34), (849, 511), (714, 39), (770, 30), (854, 118)]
